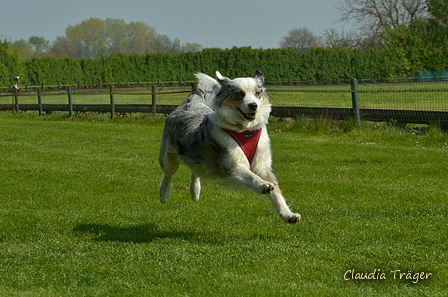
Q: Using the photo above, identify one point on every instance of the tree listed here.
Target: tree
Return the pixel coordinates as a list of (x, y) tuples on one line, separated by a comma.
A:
[(24, 48), (375, 15), (192, 47), (334, 39), (94, 38), (61, 48), (88, 39), (39, 44), (439, 11), (142, 38), (301, 39), (117, 36), (423, 43), (34, 47)]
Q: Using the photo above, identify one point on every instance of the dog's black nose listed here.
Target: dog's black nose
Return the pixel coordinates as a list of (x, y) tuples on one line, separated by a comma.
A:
[(252, 106)]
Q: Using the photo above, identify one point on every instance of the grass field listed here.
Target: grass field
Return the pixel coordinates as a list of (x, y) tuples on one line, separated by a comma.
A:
[(79, 214), (414, 96)]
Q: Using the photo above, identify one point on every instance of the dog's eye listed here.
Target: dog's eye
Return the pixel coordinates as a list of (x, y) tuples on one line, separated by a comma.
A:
[(257, 94), (239, 95)]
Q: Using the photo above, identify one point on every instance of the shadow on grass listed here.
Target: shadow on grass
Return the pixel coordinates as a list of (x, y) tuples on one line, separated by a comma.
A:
[(137, 234)]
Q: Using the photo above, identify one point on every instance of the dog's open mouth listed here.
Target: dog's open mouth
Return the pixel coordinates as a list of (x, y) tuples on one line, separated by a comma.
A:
[(248, 116)]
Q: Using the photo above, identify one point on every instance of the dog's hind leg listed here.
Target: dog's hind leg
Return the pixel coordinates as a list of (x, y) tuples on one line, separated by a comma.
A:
[(165, 188), (169, 164), (195, 186)]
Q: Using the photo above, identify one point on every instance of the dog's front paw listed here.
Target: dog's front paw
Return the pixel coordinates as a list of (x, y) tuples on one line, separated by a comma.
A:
[(294, 218), (267, 188)]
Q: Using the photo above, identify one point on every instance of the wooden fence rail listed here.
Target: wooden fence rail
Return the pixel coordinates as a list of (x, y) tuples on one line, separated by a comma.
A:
[(401, 116), (71, 107), (398, 115)]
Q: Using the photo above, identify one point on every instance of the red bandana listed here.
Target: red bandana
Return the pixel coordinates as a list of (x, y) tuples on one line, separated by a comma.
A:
[(247, 140)]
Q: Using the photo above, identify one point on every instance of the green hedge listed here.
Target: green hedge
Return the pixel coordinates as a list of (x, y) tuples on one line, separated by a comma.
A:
[(10, 65), (277, 65)]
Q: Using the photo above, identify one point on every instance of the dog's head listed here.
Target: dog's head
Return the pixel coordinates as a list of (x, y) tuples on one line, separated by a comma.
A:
[(241, 103)]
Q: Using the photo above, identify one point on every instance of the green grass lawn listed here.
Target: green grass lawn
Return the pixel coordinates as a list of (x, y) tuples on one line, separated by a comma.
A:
[(80, 216)]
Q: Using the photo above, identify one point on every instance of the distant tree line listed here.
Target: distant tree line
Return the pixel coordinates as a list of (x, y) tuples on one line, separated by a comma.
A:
[(407, 36), (411, 27), (96, 38)]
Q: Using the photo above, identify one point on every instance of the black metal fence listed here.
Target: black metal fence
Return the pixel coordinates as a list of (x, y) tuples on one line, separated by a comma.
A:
[(402, 101)]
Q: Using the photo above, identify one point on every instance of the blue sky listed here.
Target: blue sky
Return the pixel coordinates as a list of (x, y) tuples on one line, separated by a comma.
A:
[(211, 23)]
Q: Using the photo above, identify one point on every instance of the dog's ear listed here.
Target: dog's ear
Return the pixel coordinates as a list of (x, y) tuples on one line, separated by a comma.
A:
[(259, 76), (221, 79)]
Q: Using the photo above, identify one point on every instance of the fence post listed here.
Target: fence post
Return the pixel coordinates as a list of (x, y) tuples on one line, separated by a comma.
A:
[(354, 87), (70, 101), (153, 100), (15, 107), (112, 102), (39, 101)]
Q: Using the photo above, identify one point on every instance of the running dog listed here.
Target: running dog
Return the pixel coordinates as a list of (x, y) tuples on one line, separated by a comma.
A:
[(220, 133)]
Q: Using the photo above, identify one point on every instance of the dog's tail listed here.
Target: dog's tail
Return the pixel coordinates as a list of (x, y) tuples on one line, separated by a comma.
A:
[(208, 86)]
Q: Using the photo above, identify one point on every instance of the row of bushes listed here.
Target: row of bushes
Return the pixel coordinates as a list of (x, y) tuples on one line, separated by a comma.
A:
[(277, 65), (10, 64)]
